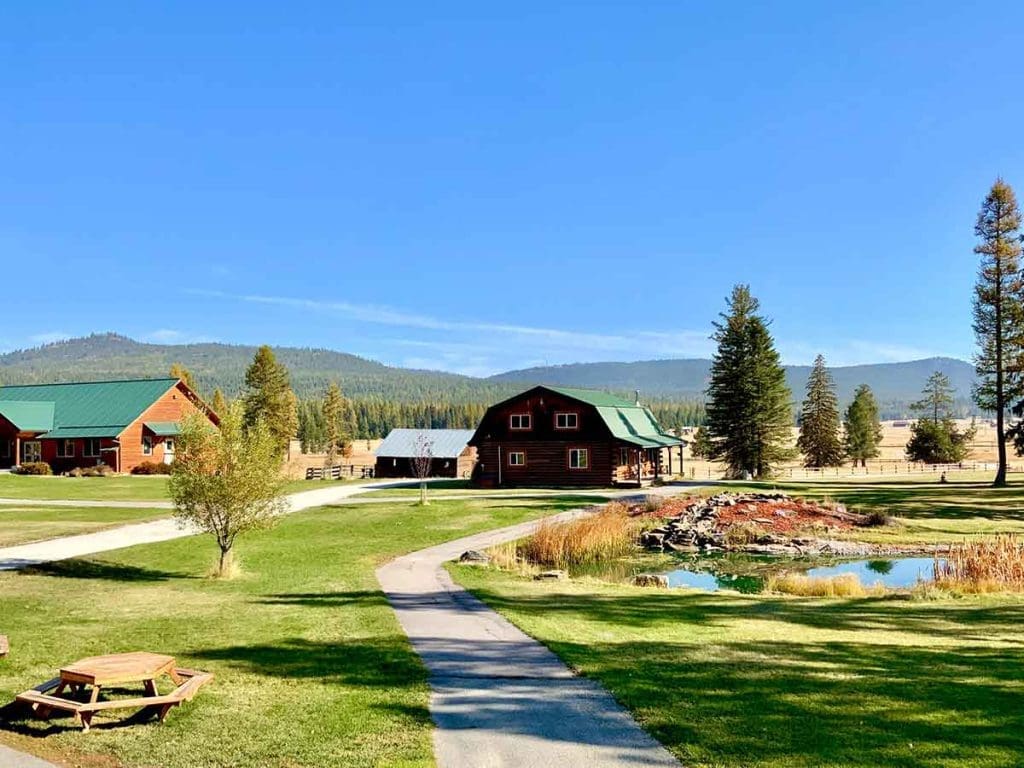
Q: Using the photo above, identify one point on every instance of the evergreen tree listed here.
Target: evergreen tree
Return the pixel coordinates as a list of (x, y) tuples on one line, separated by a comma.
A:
[(819, 439), (337, 437), (178, 371), (700, 446), (748, 412), (934, 437), (269, 398), (219, 404), (999, 311), (863, 428)]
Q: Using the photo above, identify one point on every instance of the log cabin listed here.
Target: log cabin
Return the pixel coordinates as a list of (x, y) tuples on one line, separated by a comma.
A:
[(79, 424), (559, 436), (450, 454)]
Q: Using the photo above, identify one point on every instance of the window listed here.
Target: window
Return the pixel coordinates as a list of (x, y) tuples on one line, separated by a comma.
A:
[(519, 421), (579, 458), (147, 445), (92, 447), (517, 458), (624, 456), (65, 449), (567, 421), (169, 445), (5, 449)]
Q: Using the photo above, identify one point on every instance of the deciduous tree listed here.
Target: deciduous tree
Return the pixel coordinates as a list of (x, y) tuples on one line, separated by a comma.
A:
[(337, 435), (819, 439), (227, 480), (749, 413), (178, 371), (863, 428), (999, 311)]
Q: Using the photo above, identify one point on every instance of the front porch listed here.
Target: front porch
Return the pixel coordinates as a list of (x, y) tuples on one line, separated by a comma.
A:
[(640, 466)]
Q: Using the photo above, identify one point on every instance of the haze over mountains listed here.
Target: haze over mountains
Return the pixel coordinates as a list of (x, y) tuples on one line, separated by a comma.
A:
[(105, 356)]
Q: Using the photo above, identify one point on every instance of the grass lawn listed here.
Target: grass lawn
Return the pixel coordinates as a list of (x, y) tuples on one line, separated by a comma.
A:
[(312, 668), (729, 680), (726, 680), (119, 488), (22, 524)]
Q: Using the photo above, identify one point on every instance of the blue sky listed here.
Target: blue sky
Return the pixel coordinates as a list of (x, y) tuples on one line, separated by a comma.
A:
[(473, 187)]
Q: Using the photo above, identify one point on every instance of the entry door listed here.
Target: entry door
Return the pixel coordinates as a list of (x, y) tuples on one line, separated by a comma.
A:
[(168, 451), (31, 450)]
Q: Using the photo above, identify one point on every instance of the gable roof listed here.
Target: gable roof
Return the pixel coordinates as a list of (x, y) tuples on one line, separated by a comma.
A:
[(28, 416), (83, 409), (445, 443)]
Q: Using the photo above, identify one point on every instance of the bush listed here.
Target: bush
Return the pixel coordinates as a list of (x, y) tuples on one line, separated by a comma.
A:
[(740, 534), (151, 468), (98, 470), (604, 536), (877, 519), (34, 468)]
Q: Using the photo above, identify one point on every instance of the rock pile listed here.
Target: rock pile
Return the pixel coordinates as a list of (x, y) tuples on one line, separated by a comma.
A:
[(765, 523)]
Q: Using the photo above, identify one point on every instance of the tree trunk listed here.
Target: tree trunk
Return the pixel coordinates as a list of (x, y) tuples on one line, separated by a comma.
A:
[(423, 494), (224, 566)]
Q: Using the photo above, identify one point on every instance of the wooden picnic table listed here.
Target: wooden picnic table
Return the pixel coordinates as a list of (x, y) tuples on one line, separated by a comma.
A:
[(116, 670)]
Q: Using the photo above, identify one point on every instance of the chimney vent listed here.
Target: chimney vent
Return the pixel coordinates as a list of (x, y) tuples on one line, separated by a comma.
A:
[(638, 397)]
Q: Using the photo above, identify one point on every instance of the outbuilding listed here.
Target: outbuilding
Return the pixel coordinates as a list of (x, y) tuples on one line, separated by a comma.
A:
[(449, 451)]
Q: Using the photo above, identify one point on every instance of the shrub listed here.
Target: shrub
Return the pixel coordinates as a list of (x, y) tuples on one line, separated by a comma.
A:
[(844, 585), (986, 565), (34, 468), (98, 470), (603, 536), (151, 468), (877, 519)]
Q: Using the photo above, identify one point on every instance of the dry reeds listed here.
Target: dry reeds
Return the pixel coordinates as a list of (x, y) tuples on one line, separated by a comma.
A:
[(986, 565), (844, 585), (605, 535)]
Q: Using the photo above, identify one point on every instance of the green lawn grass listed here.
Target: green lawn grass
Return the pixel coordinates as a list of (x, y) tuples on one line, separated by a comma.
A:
[(117, 488), (22, 524), (727, 680), (312, 668)]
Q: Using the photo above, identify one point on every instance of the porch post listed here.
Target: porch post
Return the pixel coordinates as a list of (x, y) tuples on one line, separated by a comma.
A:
[(17, 450), (639, 468), (669, 460)]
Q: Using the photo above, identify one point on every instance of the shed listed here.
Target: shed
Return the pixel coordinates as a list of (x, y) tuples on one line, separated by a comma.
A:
[(451, 454)]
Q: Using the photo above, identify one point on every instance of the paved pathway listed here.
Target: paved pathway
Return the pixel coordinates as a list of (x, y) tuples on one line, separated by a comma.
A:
[(10, 758), (24, 555), (500, 698)]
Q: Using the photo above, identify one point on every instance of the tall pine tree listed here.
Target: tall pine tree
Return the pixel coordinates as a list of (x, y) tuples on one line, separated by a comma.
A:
[(748, 413), (269, 397), (999, 311), (863, 428), (934, 437), (819, 439)]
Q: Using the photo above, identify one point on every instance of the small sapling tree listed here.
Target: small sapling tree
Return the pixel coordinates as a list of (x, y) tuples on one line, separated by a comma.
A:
[(227, 481), (422, 460)]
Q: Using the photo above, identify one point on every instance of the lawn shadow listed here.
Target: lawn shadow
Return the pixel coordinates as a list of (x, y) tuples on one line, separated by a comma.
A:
[(77, 568)]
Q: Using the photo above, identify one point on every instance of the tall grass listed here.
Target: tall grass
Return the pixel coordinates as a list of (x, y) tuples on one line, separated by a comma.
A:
[(983, 565), (844, 585), (609, 534)]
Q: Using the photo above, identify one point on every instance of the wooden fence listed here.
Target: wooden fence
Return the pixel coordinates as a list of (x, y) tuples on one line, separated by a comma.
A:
[(362, 471), (883, 468)]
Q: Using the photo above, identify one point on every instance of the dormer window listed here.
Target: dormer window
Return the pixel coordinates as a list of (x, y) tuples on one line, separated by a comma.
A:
[(567, 421), (519, 421)]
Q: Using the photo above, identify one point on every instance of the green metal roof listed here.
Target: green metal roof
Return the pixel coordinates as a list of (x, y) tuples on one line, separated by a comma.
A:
[(89, 409), (28, 416), (163, 428), (626, 420), (594, 397)]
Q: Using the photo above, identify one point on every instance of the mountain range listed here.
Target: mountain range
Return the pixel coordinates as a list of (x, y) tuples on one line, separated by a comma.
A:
[(112, 356)]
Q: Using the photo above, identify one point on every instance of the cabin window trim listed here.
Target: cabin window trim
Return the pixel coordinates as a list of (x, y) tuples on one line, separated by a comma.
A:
[(523, 420), (582, 456), (65, 449), (517, 459), (147, 445), (567, 423), (91, 448)]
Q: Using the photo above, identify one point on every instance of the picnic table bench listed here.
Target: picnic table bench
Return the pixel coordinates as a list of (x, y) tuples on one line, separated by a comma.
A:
[(117, 670)]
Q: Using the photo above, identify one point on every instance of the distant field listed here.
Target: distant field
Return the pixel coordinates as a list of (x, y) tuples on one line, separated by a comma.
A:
[(120, 488)]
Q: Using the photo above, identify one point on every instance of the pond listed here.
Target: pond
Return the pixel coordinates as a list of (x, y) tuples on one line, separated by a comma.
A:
[(748, 573)]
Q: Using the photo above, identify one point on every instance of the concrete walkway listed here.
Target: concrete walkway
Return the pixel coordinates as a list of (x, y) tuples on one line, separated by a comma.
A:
[(500, 698), (24, 555), (10, 758)]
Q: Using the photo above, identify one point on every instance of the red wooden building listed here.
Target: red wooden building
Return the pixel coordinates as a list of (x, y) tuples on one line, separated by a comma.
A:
[(556, 436), (118, 423)]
